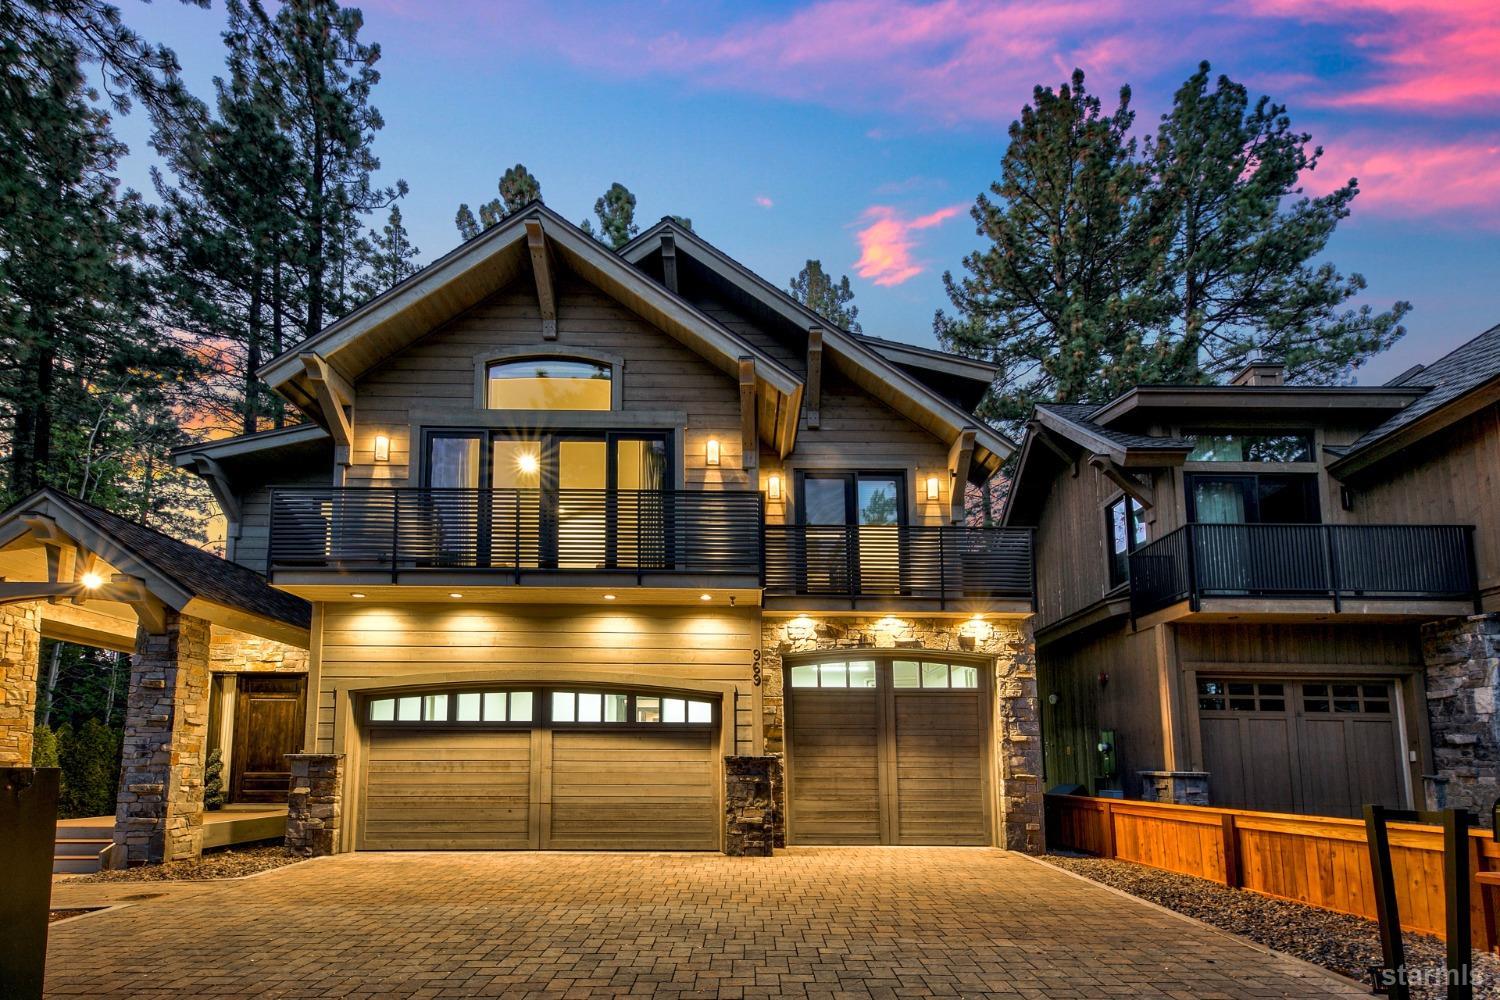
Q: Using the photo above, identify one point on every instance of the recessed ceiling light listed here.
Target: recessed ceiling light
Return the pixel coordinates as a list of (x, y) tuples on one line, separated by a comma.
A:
[(356, 594), (455, 595), (609, 597), (92, 581), (705, 597)]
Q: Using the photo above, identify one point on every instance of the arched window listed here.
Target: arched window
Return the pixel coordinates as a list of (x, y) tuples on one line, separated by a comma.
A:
[(549, 383)]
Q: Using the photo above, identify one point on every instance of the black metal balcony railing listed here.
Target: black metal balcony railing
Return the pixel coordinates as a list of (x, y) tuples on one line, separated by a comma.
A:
[(938, 563), (708, 533), (699, 533), (1329, 561)]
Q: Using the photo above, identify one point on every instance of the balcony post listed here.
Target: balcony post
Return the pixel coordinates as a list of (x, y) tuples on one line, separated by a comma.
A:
[(271, 535), (1471, 561), (942, 571), (1192, 566), (1331, 567), (395, 535)]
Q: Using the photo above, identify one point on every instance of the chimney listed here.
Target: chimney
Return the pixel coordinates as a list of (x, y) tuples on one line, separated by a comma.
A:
[(1261, 373)]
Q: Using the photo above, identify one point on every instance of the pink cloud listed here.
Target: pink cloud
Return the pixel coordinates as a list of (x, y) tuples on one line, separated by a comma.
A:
[(1457, 178), (763, 201), (886, 243)]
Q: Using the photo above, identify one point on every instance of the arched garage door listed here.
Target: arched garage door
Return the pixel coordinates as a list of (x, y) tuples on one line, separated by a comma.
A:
[(516, 769)]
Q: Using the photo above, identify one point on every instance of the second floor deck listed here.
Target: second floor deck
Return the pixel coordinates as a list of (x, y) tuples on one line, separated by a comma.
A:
[(661, 539), (1302, 570)]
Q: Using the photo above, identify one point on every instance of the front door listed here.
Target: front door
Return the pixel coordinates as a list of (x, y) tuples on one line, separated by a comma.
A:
[(268, 717)]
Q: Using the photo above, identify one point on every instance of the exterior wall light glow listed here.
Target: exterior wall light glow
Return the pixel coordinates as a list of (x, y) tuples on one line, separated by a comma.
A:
[(705, 597), (382, 448), (773, 487), (712, 458), (527, 463), (609, 597), (455, 595), (92, 581), (932, 489), (356, 595)]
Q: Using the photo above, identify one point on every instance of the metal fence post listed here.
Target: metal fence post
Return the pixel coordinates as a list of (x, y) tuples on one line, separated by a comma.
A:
[(28, 828), (1387, 912)]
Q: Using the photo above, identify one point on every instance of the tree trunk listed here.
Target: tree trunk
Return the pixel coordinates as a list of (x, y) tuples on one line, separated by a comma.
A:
[(251, 410), (278, 344), (51, 690)]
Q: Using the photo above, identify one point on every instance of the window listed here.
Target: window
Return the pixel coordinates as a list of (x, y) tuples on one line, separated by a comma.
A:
[(1232, 446), (929, 674), (462, 707), (1241, 696), (459, 708), (835, 674), (1253, 498), (1126, 522), (608, 708), (1346, 699), (549, 384), (866, 674)]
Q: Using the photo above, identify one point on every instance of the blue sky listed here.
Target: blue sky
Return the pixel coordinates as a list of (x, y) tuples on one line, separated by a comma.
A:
[(859, 131)]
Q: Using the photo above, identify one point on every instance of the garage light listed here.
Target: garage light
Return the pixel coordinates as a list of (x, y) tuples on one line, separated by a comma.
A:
[(455, 596), (712, 458), (705, 597), (356, 595), (92, 581), (609, 597)]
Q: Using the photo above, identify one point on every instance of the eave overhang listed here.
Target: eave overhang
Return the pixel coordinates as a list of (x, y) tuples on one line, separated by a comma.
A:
[(1354, 462)]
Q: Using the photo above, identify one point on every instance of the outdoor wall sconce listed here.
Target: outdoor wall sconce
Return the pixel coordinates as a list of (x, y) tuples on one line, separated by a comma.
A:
[(932, 489), (712, 457), (773, 487), (382, 448)]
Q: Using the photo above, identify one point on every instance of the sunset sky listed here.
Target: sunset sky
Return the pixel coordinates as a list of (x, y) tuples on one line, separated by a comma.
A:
[(859, 131)]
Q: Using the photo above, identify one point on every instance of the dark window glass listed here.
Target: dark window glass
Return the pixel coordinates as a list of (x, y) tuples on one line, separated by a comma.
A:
[(1228, 446), (1253, 498), (1126, 523)]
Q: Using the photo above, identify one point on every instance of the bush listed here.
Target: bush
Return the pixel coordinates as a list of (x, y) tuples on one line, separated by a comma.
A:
[(213, 780), (44, 747), (90, 761)]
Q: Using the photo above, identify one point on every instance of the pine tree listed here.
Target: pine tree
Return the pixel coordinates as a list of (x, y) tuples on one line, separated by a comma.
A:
[(518, 188), (833, 301), (1052, 299), (390, 259), (615, 210), (682, 221), (1237, 238)]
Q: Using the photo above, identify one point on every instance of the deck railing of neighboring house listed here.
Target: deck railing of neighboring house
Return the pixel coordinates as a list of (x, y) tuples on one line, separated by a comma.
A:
[(927, 562), (1335, 562), (519, 532)]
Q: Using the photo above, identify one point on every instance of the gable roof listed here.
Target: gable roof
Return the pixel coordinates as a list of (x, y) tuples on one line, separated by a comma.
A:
[(872, 371), (175, 572), (463, 277), (1075, 420), (1462, 381)]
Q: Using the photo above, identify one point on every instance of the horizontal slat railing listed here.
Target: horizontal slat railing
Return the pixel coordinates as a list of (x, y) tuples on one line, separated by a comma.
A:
[(1331, 561), (700, 533), (930, 562), (1281, 855)]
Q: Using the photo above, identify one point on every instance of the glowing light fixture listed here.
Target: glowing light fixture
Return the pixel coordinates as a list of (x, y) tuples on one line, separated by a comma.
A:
[(455, 595), (932, 489), (609, 597), (773, 487), (382, 448), (92, 581), (357, 595), (712, 458), (705, 597), (528, 463)]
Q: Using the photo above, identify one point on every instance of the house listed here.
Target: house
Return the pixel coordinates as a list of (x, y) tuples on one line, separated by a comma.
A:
[(1269, 596), (597, 549)]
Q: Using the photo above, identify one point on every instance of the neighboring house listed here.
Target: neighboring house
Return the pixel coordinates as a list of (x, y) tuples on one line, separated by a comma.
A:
[(590, 539), (1265, 596)]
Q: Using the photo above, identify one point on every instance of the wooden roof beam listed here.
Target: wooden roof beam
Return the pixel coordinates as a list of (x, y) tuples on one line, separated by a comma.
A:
[(749, 405), (1043, 435), (960, 457), (541, 267), (814, 376), (669, 261), (1133, 487), (333, 393)]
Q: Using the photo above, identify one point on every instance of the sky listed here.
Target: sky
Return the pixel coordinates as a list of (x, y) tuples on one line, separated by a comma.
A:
[(859, 132)]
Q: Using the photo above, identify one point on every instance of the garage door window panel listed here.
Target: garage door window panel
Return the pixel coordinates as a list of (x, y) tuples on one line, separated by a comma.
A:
[(456, 708)]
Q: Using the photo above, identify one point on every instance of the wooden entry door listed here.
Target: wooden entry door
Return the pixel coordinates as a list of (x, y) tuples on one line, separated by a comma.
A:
[(268, 716)]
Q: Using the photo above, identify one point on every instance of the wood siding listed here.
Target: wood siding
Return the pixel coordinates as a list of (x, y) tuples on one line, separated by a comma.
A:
[(255, 515), (1073, 564), (368, 643)]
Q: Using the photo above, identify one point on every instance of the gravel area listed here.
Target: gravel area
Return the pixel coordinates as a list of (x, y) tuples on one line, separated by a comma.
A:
[(53, 916), (1346, 944), (228, 863)]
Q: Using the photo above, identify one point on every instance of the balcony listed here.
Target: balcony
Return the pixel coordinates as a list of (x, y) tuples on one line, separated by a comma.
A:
[(516, 537), (907, 566), (323, 541), (1394, 570)]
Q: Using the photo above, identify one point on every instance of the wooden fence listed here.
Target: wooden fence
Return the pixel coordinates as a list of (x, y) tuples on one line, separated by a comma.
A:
[(1317, 860)]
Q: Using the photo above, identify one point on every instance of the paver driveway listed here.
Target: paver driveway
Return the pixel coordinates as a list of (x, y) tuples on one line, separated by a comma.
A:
[(882, 922)]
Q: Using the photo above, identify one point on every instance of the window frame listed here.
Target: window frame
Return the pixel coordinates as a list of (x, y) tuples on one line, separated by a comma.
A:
[(884, 660), (851, 478), (483, 362), (1308, 435), (546, 441), (1309, 481)]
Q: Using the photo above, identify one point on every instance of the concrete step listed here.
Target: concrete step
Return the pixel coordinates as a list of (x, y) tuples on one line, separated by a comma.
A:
[(64, 865), (78, 848)]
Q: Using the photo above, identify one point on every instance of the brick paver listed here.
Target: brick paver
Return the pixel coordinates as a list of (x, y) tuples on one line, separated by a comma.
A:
[(831, 922)]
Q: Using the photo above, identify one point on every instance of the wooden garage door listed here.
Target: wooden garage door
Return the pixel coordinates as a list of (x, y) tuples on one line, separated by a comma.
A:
[(886, 750), (502, 770), (1322, 747)]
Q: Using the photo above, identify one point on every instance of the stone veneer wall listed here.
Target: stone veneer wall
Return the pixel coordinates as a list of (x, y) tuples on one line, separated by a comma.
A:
[(1018, 739), (1462, 657), (159, 815), (315, 805), (236, 652), (20, 653), (750, 813)]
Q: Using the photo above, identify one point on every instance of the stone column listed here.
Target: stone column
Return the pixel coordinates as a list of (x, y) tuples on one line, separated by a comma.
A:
[(1462, 656), (20, 653), (1185, 788), (750, 814), (1020, 735), (159, 816), (315, 804)]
